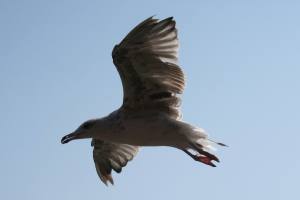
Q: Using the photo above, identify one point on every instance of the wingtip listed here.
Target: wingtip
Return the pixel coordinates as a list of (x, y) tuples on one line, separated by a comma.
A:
[(107, 179), (169, 19), (154, 17), (151, 17)]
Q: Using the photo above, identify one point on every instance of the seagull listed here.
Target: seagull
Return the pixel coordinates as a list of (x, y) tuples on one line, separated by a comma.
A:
[(147, 62)]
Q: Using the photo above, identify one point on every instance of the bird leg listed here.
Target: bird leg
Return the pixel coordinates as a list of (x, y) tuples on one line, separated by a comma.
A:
[(203, 157)]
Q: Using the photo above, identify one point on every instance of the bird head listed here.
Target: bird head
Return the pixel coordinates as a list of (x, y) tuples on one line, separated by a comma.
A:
[(85, 130)]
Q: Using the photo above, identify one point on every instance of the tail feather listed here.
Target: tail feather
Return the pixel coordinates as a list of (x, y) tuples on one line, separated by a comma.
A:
[(202, 147), (218, 143)]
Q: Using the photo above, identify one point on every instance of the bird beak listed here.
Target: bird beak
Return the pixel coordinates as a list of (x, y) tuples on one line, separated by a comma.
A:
[(68, 138)]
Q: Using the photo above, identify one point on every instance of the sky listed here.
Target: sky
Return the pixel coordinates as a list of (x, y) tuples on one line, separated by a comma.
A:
[(242, 63)]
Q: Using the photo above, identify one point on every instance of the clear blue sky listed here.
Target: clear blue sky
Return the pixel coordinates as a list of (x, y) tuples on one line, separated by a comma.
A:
[(242, 64)]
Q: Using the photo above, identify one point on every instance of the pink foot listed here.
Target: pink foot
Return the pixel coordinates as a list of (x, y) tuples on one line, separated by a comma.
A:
[(205, 160)]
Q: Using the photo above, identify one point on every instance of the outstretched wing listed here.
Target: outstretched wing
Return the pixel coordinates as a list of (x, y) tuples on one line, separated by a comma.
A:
[(111, 156), (146, 60)]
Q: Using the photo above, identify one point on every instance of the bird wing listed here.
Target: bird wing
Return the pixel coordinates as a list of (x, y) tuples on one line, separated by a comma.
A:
[(146, 60), (111, 156)]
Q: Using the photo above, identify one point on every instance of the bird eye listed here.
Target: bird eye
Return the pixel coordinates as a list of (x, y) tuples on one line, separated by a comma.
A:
[(86, 125)]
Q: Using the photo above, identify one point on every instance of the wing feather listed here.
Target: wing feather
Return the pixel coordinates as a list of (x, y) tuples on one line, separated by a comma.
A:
[(111, 156), (147, 61)]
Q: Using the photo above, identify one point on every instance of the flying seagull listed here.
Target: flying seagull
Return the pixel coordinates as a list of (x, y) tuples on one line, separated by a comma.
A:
[(152, 80)]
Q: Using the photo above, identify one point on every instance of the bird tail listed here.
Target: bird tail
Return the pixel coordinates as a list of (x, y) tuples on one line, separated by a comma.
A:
[(201, 148), (218, 143)]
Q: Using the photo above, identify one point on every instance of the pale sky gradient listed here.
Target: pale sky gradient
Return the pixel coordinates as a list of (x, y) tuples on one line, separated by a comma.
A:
[(242, 61)]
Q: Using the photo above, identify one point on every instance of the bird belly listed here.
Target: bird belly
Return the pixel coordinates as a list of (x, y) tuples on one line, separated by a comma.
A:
[(151, 131)]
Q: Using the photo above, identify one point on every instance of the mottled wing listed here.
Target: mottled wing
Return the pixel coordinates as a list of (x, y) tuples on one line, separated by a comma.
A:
[(146, 60), (111, 156)]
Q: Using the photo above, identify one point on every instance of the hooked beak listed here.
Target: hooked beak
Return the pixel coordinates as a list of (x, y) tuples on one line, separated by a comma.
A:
[(68, 138)]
